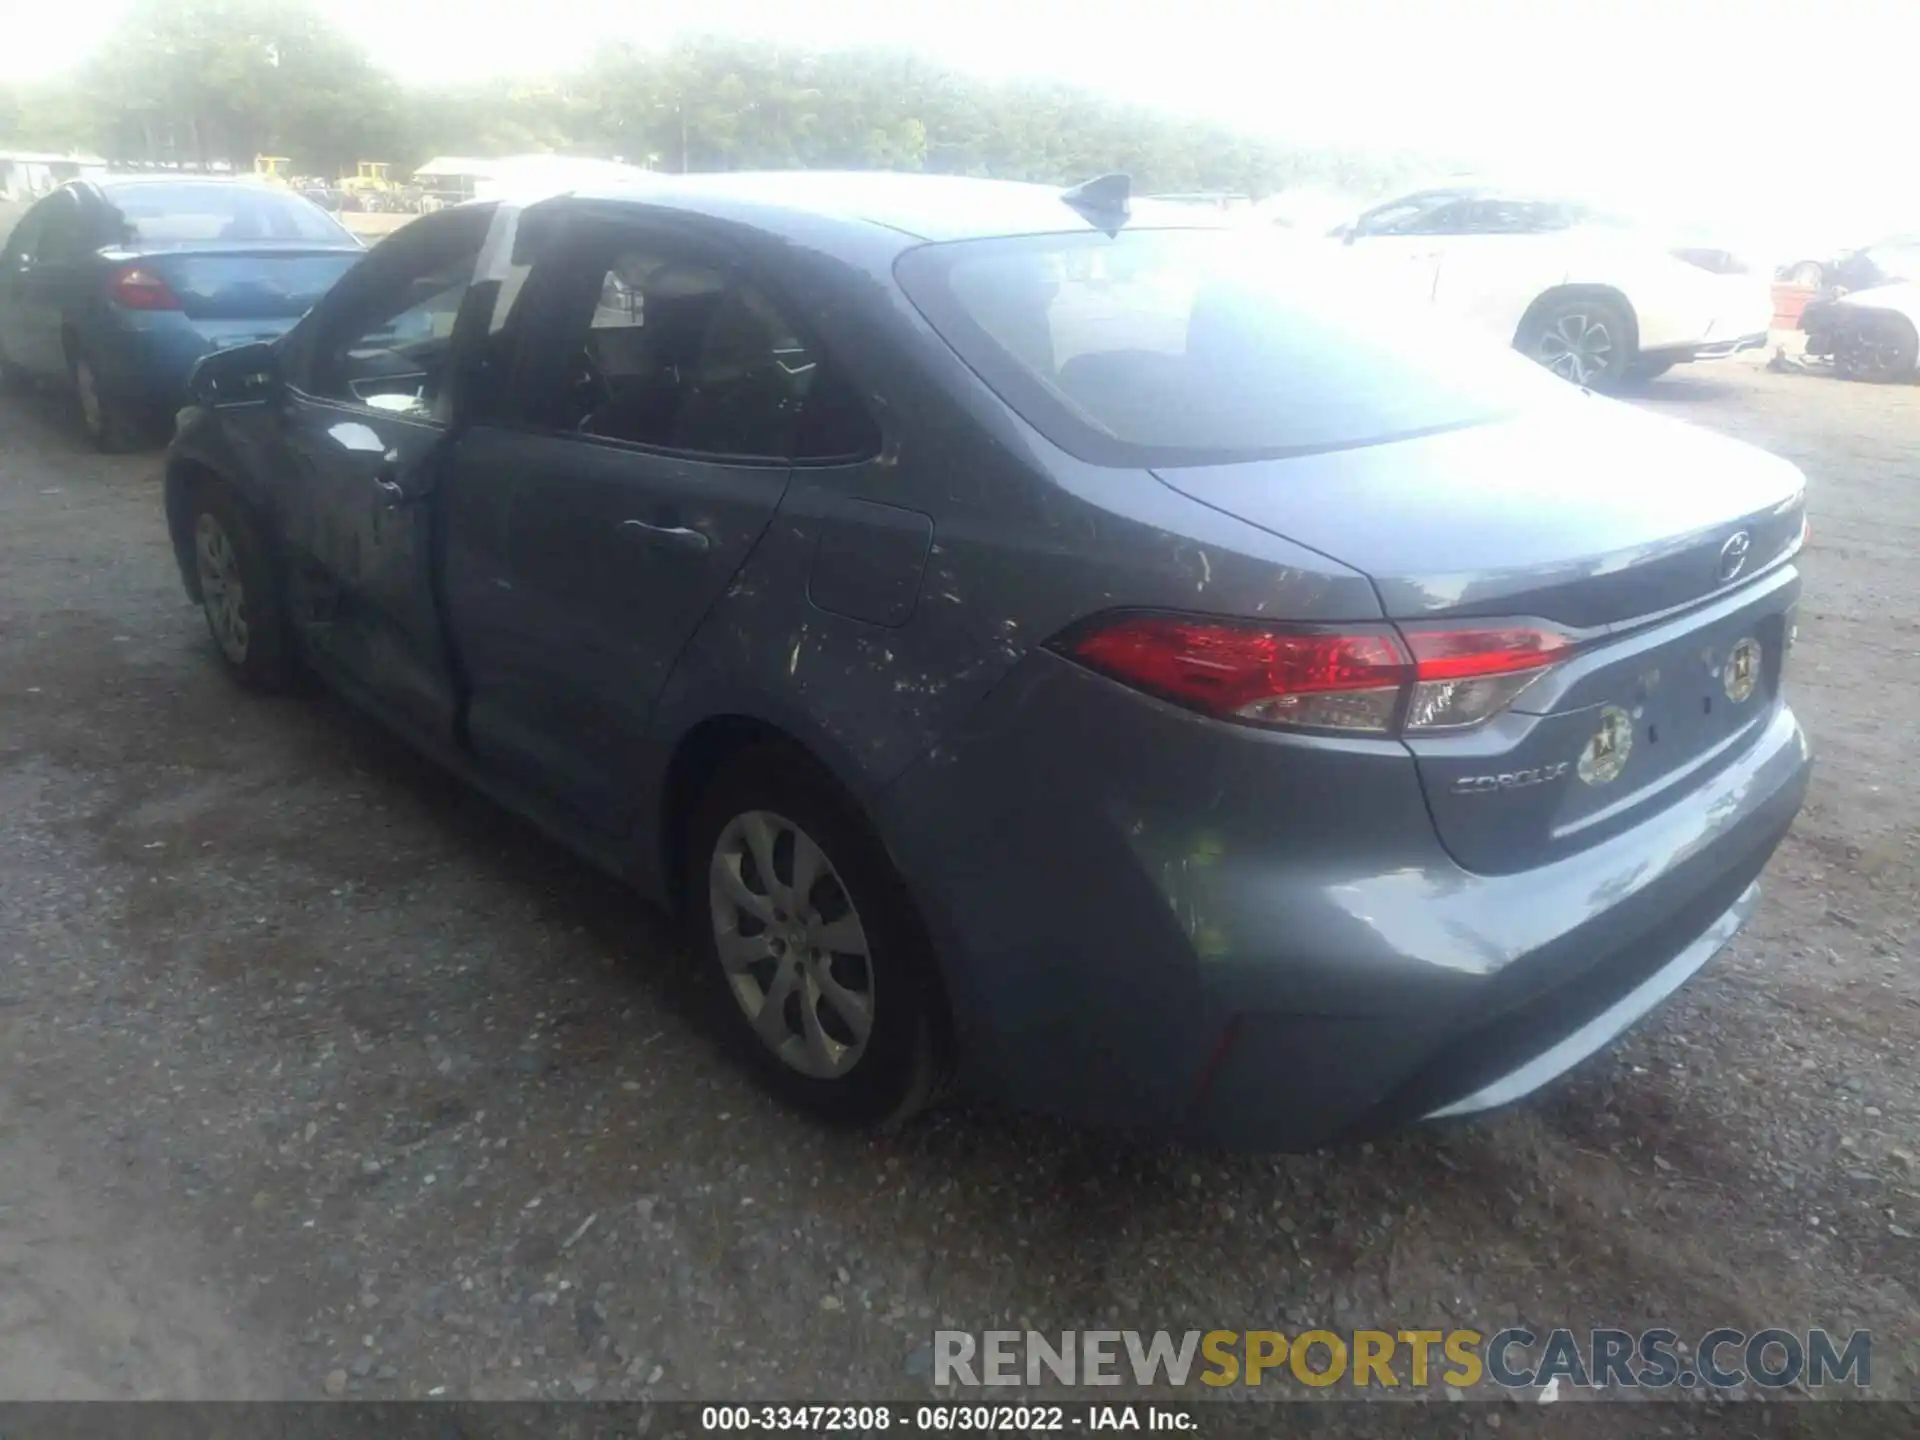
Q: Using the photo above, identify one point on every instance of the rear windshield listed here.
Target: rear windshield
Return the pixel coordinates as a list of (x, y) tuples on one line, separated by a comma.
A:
[(1196, 347), (186, 213)]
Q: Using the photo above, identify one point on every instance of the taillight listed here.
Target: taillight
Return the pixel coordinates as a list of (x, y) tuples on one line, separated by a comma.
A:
[(1463, 677), (1341, 681), (1369, 680), (134, 287)]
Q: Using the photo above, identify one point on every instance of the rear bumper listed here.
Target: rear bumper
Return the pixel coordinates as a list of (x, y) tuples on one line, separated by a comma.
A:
[(146, 358), (1193, 930)]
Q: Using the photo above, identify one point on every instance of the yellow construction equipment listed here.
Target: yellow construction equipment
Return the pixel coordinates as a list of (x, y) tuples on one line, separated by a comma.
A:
[(369, 177), (268, 168)]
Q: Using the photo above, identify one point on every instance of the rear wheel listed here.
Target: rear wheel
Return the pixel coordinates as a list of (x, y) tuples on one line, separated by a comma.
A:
[(110, 424), (240, 593), (810, 934), (1587, 339)]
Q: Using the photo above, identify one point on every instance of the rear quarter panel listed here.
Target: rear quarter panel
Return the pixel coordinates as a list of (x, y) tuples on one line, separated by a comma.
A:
[(1024, 542)]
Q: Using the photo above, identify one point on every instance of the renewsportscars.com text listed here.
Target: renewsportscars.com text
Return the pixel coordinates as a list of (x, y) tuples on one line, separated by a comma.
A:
[(1512, 1359)]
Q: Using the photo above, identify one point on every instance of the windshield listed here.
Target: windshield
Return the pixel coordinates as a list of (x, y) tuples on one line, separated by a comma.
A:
[(1193, 347), (170, 214)]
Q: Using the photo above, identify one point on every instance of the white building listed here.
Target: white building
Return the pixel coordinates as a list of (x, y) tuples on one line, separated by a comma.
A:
[(29, 174)]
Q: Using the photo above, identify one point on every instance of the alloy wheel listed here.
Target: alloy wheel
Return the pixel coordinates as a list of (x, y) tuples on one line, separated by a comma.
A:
[(222, 593), (791, 944), (1577, 347)]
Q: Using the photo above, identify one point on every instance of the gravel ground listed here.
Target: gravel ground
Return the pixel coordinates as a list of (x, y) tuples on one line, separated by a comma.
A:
[(319, 1075)]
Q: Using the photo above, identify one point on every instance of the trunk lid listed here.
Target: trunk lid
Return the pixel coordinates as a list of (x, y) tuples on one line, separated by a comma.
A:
[(247, 282), (1658, 545), (1586, 512)]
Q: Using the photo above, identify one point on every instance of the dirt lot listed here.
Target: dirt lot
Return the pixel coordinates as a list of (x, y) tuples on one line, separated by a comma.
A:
[(320, 1075)]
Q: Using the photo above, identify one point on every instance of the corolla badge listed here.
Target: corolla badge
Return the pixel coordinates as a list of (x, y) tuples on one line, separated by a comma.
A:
[(1733, 556), (1510, 779), (1606, 753), (1742, 672)]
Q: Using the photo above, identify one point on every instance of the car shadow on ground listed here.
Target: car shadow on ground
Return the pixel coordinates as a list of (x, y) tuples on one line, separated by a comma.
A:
[(1095, 1204), (1680, 388)]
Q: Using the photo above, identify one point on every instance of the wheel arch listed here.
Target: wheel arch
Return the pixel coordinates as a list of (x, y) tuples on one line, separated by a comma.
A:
[(700, 754), (186, 475), (702, 751)]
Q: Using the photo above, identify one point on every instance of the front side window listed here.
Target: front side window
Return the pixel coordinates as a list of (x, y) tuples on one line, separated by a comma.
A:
[(1202, 346), (390, 347), (675, 354), (1417, 215)]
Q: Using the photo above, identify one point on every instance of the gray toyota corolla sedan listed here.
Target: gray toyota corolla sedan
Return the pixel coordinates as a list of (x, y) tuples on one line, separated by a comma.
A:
[(1030, 637)]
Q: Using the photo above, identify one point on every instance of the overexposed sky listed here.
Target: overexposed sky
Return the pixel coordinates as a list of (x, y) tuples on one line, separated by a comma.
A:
[(1752, 111)]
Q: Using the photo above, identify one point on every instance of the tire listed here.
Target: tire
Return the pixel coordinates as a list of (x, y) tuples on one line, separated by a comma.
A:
[(770, 802), (240, 593), (109, 425), (1587, 339), (1880, 350)]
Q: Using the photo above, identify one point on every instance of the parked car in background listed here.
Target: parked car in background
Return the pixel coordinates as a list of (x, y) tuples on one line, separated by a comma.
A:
[(1895, 257), (116, 287), (1594, 299), (1167, 690), (1871, 334)]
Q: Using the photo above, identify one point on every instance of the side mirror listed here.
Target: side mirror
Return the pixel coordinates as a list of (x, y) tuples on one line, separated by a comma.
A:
[(244, 375)]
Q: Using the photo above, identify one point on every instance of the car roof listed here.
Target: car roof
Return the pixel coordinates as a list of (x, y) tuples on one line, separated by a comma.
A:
[(922, 207)]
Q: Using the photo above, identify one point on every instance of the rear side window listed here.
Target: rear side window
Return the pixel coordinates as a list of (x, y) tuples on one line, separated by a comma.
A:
[(1196, 347), (165, 213), (675, 354)]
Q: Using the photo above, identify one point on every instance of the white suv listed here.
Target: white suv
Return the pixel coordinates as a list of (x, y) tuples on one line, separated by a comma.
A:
[(1591, 298)]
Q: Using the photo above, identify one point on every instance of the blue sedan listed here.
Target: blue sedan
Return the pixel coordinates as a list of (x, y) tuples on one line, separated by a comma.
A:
[(116, 288)]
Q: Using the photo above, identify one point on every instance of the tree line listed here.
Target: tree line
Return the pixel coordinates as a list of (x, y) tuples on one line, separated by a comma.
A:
[(200, 81)]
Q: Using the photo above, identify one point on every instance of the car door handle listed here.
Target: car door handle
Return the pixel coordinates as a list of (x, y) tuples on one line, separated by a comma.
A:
[(669, 537), (390, 482)]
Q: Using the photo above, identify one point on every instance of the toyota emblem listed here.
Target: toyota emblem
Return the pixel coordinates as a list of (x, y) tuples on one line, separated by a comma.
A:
[(1733, 556)]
